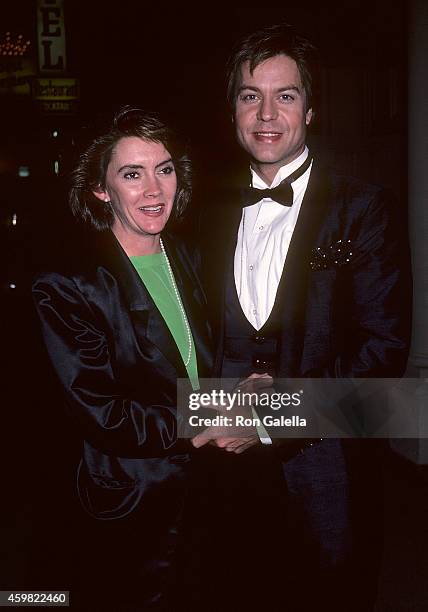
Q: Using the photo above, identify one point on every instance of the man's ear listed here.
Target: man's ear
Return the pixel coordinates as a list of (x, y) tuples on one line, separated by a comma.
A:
[(309, 116), (101, 194)]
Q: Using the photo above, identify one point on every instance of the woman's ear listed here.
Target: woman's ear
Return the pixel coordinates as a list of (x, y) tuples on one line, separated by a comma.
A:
[(101, 194)]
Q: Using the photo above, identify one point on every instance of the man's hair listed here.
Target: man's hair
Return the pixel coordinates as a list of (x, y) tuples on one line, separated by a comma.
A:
[(280, 39), (90, 172)]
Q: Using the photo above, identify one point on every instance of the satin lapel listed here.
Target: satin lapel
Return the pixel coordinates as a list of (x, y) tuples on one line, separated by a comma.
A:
[(148, 322), (292, 289), (194, 303)]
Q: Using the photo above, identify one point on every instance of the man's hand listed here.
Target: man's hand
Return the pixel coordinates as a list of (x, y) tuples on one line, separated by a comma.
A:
[(221, 436), (255, 383)]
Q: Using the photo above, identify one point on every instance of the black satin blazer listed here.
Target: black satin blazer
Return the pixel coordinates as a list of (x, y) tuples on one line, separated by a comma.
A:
[(118, 365)]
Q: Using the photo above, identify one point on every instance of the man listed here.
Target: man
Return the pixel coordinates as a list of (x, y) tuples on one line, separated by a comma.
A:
[(310, 279)]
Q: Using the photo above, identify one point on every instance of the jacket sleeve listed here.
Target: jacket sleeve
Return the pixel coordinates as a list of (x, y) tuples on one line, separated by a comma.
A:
[(110, 417), (377, 291)]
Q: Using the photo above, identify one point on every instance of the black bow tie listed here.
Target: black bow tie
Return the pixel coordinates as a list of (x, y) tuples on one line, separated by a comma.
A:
[(283, 193)]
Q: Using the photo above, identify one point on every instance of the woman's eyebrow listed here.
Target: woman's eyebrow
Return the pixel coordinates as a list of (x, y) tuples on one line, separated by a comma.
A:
[(141, 167)]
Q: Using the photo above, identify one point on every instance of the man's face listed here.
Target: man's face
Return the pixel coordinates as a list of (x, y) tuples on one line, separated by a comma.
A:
[(270, 114)]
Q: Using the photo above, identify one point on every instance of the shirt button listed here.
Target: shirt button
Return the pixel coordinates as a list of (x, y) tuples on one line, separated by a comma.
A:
[(251, 267), (261, 227), (254, 311)]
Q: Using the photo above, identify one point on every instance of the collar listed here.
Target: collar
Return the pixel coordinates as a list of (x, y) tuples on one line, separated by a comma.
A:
[(282, 173)]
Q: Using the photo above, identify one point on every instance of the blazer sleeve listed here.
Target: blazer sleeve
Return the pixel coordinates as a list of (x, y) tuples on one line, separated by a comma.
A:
[(377, 291), (111, 418)]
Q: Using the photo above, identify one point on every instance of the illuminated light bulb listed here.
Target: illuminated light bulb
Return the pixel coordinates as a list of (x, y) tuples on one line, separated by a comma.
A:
[(14, 47)]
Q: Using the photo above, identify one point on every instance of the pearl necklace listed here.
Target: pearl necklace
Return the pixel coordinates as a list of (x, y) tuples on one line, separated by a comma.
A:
[(180, 304)]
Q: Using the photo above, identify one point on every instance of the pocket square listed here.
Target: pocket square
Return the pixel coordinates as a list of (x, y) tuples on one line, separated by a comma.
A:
[(337, 254)]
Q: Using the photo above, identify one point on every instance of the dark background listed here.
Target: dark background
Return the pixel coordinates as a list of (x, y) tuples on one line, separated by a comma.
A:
[(167, 57), (170, 57)]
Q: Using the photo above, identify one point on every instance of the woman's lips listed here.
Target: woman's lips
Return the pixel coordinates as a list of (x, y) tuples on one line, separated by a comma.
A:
[(154, 210)]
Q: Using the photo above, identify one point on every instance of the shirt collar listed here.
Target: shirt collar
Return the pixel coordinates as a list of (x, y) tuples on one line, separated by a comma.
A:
[(282, 173)]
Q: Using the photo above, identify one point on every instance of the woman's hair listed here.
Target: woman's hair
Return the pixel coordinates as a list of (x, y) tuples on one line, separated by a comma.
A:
[(90, 173), (280, 39)]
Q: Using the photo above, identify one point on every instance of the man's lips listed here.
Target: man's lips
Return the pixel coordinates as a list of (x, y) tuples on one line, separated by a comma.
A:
[(267, 136)]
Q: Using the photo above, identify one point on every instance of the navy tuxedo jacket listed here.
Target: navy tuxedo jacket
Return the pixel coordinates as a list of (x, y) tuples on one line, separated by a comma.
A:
[(345, 292), (118, 365)]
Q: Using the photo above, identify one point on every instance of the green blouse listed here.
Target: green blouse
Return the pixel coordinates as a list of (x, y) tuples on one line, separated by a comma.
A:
[(153, 271)]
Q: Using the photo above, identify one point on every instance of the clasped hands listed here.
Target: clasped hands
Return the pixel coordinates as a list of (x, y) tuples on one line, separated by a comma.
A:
[(221, 436)]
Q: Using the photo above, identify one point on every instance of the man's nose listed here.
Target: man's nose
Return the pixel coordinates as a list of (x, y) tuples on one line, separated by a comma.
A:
[(151, 188), (267, 110)]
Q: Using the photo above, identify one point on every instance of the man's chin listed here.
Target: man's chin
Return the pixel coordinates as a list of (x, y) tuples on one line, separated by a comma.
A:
[(268, 154)]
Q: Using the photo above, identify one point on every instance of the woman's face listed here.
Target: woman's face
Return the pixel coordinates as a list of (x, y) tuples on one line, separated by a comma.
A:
[(141, 185)]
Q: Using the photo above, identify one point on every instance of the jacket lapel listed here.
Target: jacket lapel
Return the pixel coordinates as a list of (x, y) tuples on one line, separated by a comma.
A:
[(147, 320), (292, 289)]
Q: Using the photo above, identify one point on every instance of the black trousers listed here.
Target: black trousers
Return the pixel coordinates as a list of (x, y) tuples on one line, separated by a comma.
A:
[(285, 536)]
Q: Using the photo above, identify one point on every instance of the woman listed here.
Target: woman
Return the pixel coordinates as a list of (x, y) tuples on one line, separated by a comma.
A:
[(122, 319)]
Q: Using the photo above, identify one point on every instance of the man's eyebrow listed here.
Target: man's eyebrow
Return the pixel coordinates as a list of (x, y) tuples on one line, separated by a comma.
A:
[(247, 87), (244, 87), (141, 167)]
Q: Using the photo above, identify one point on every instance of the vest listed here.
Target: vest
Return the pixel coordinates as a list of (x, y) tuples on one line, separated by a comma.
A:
[(247, 350)]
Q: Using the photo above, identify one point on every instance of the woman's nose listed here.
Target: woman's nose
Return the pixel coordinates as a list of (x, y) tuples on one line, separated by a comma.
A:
[(151, 188)]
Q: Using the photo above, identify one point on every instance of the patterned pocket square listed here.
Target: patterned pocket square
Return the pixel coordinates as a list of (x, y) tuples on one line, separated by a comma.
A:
[(337, 254)]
